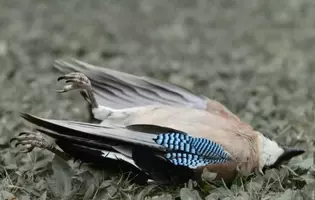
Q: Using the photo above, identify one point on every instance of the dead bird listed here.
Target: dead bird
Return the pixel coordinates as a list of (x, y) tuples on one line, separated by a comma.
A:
[(162, 132)]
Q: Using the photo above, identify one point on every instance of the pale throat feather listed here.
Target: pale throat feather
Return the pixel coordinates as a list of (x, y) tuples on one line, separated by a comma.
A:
[(269, 151)]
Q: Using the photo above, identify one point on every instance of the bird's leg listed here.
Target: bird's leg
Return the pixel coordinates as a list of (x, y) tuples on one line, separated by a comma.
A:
[(79, 81), (30, 140)]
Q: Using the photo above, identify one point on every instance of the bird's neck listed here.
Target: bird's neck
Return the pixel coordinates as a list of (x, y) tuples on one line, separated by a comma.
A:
[(269, 151)]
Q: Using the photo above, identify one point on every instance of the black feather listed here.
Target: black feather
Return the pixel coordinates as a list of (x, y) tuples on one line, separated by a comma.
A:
[(92, 156)]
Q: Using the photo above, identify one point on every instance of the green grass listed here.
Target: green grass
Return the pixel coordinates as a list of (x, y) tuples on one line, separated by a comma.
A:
[(256, 57)]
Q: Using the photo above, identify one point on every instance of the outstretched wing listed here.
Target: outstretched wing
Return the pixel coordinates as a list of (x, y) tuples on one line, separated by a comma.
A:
[(121, 90)]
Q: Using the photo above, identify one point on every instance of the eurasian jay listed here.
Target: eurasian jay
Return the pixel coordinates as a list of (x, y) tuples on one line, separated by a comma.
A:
[(161, 131)]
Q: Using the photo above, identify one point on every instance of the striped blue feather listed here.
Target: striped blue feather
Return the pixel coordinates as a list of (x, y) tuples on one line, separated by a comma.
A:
[(191, 161), (190, 151)]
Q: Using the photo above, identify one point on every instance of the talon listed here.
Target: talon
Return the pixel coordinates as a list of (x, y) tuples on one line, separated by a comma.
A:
[(17, 144), (70, 81), (80, 81), (34, 139), (73, 75), (77, 80), (60, 78), (22, 133), (12, 140), (60, 91), (66, 88)]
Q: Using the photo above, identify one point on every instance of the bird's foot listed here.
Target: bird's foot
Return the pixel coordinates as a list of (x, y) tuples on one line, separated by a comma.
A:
[(80, 81), (77, 80), (30, 140)]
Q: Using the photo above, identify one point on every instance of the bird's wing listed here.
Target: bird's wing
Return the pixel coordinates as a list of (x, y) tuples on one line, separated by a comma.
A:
[(121, 90), (172, 145)]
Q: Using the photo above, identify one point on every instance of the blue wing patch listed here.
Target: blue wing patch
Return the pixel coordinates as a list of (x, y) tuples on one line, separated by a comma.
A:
[(192, 152)]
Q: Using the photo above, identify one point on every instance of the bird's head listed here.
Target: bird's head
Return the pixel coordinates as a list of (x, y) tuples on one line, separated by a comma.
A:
[(272, 155)]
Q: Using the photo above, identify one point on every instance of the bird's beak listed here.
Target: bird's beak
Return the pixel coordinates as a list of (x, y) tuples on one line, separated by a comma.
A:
[(288, 154), (291, 152)]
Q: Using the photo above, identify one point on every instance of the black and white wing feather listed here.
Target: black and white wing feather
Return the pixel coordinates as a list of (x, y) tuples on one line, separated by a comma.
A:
[(151, 149)]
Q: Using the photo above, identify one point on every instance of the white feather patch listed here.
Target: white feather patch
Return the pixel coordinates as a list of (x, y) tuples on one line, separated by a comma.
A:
[(103, 113), (270, 151), (118, 156)]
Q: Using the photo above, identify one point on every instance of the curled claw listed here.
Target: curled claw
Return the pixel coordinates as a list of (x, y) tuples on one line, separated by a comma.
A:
[(18, 138), (12, 140), (17, 144), (25, 133), (30, 140), (68, 76), (73, 75), (70, 81), (22, 133), (66, 88), (60, 78), (60, 91), (79, 81), (26, 139)]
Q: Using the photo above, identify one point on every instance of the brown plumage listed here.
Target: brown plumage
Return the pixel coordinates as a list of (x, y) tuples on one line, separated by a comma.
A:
[(241, 143)]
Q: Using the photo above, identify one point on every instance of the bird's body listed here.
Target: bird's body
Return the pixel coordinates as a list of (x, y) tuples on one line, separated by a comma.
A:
[(160, 129), (241, 143)]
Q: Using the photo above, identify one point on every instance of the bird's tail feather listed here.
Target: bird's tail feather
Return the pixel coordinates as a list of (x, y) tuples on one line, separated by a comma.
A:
[(108, 160), (120, 90), (92, 133), (93, 140)]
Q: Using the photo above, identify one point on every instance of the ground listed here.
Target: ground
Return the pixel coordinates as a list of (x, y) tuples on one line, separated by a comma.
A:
[(256, 57)]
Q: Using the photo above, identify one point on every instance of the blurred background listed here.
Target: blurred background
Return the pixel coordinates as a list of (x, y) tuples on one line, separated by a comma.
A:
[(256, 57)]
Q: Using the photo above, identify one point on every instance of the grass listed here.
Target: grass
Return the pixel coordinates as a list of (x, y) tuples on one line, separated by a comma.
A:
[(256, 57)]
